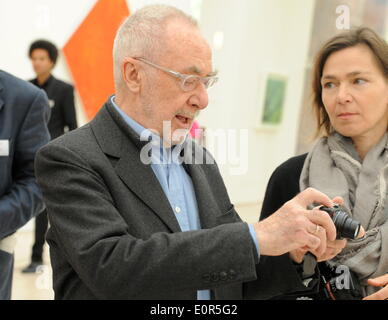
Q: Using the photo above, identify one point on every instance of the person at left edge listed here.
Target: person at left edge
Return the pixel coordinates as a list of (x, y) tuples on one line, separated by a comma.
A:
[(43, 55), (24, 114)]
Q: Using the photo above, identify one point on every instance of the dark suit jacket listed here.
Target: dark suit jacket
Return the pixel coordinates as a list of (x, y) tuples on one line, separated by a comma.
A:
[(24, 113), (61, 96), (113, 234)]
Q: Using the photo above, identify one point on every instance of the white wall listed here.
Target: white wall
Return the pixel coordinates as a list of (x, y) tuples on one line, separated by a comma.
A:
[(260, 36), (23, 21)]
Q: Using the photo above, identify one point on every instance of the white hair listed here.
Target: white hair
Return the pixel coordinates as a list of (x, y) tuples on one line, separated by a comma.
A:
[(141, 34)]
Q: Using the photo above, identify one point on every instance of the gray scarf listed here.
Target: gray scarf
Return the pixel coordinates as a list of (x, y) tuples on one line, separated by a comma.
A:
[(334, 168)]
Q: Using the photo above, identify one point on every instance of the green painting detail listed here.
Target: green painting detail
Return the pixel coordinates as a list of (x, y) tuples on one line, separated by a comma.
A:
[(274, 99)]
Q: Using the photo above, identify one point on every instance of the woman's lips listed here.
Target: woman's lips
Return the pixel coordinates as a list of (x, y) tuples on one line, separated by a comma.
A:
[(346, 115)]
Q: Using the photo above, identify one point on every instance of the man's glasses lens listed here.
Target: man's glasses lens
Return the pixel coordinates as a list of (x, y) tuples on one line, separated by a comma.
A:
[(191, 82)]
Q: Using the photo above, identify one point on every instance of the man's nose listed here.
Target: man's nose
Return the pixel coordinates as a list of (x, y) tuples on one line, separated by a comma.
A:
[(199, 99)]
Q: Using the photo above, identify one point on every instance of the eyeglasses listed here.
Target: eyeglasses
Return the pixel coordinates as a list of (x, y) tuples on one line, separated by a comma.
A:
[(188, 82)]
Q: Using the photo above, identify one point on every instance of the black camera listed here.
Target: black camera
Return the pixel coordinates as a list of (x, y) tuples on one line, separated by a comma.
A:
[(345, 225)]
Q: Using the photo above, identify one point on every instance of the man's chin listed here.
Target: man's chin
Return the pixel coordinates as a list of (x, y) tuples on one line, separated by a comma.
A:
[(177, 137)]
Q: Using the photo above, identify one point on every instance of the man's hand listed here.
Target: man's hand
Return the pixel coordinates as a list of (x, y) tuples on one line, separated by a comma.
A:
[(379, 282), (333, 247), (294, 227)]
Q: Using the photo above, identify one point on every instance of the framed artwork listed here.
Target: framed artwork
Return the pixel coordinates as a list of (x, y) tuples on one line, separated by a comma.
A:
[(274, 97)]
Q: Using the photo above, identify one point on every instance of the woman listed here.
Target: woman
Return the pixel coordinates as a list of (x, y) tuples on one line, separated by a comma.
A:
[(350, 90)]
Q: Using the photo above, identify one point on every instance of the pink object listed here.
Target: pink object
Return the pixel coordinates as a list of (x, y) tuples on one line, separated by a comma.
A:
[(195, 131)]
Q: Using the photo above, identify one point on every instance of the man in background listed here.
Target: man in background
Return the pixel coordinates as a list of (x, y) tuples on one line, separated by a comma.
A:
[(24, 114), (43, 55)]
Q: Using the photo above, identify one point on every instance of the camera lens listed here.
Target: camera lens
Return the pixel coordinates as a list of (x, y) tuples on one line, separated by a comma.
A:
[(345, 225)]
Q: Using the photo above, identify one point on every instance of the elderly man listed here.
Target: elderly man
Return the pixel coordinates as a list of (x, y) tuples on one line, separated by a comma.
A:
[(130, 221)]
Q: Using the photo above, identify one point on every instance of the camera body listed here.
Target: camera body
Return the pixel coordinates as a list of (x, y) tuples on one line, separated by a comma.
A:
[(347, 227)]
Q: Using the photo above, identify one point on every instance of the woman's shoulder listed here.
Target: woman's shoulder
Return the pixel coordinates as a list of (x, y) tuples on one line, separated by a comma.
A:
[(283, 185), (292, 166)]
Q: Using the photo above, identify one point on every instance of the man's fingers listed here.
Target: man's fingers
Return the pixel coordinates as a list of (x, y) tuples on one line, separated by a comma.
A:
[(322, 219), (297, 255), (337, 244), (321, 234), (322, 250), (312, 242), (308, 240), (311, 195)]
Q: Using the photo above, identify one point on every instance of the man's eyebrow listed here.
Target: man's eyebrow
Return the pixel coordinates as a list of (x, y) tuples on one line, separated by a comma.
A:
[(198, 71)]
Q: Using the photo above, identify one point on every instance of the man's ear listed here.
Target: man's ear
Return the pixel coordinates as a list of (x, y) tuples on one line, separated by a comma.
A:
[(131, 75)]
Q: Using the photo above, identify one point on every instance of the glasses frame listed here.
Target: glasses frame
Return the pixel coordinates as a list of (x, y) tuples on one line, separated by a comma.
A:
[(206, 81)]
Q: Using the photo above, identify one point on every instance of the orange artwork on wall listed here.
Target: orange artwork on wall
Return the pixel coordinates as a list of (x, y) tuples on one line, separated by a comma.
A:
[(89, 53)]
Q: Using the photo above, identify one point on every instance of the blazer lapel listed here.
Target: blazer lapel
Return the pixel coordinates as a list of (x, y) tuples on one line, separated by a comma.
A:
[(141, 179), (207, 206), (117, 139)]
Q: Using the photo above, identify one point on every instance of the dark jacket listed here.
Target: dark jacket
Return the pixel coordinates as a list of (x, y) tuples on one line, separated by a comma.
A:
[(113, 234), (283, 185), (24, 113), (61, 99)]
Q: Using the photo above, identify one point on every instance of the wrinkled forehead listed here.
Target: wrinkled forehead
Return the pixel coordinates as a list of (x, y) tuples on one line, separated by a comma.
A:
[(184, 46)]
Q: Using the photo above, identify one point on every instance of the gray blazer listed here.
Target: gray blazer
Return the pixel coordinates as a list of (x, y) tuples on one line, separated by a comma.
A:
[(113, 233)]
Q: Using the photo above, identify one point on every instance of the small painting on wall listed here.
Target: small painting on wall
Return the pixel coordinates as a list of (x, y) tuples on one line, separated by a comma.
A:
[(275, 93)]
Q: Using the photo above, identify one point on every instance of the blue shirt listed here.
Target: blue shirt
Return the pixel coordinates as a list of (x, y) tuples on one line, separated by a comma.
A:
[(175, 182)]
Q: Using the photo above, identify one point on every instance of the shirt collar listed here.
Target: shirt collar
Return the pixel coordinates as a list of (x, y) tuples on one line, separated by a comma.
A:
[(160, 154), (44, 84)]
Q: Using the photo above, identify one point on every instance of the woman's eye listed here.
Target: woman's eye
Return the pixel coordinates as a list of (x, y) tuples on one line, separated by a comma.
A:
[(328, 85), (359, 81)]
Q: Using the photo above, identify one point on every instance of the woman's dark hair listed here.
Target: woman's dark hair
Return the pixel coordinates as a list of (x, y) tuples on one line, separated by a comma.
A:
[(45, 45), (351, 38)]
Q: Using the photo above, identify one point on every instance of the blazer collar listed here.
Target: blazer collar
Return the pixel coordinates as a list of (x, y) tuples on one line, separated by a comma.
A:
[(117, 139)]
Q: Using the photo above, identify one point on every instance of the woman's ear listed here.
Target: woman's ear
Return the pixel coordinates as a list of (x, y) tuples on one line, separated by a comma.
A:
[(131, 75)]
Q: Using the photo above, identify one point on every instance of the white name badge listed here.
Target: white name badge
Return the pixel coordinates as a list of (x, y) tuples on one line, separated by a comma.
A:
[(4, 148)]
